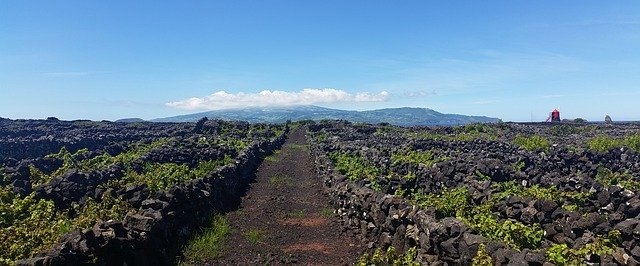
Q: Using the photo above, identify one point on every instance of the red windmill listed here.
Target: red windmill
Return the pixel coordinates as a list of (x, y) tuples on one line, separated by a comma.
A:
[(554, 116)]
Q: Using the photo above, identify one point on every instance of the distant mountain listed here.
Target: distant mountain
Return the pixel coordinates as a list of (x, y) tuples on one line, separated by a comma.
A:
[(130, 120), (404, 116)]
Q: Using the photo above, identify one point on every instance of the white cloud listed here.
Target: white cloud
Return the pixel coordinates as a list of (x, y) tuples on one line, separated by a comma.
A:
[(420, 93), (224, 100)]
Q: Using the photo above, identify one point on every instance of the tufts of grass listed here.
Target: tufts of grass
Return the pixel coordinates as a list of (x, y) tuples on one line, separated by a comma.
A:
[(326, 213), (273, 157), (297, 214), (209, 244), (254, 235), (280, 181), (304, 147)]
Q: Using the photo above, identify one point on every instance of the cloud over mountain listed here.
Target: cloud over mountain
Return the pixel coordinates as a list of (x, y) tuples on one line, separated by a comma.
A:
[(224, 100)]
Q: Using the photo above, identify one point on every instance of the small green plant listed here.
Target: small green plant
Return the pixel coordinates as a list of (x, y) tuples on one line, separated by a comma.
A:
[(280, 181), (410, 176), (482, 258), (513, 233), (481, 176), (603, 144), (561, 254), (400, 192), (532, 143), (518, 166), (536, 191), (610, 178), (209, 244), (457, 202), (296, 214), (570, 207), (415, 158), (633, 142), (326, 213), (450, 202), (390, 257), (254, 236), (273, 157), (356, 168), (303, 147)]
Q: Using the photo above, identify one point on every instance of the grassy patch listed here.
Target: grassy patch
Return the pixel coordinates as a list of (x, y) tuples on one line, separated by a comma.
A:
[(254, 235), (304, 147), (209, 244), (273, 157), (297, 214), (326, 213), (280, 181)]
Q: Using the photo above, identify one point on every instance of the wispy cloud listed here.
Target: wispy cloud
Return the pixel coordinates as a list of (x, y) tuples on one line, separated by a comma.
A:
[(419, 93), (486, 71), (73, 73), (224, 100)]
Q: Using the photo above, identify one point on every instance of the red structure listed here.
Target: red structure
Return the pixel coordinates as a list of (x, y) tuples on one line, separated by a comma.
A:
[(554, 116)]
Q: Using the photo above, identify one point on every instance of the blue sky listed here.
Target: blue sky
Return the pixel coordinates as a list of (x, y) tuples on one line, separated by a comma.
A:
[(515, 60)]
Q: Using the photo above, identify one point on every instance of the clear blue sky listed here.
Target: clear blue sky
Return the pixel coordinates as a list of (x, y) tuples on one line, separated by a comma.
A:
[(507, 59)]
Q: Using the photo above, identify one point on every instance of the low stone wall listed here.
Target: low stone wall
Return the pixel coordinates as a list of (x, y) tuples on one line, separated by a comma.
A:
[(153, 235), (382, 220)]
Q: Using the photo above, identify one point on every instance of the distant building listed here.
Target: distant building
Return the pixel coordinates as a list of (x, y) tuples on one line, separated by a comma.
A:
[(554, 116), (607, 120)]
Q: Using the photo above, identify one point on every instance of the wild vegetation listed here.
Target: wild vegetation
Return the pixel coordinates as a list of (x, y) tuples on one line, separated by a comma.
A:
[(45, 196), (568, 193)]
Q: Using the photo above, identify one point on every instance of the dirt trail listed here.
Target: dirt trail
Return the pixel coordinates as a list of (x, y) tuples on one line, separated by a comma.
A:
[(285, 218)]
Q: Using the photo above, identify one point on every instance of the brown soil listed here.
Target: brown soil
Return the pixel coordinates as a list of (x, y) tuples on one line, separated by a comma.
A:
[(287, 208)]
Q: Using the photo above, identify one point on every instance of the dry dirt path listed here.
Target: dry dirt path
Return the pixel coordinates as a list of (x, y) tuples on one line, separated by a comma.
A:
[(285, 218)]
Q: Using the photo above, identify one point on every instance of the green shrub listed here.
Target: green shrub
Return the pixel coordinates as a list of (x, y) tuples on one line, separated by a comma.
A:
[(533, 143), (603, 144), (633, 142), (561, 254), (450, 202), (161, 176), (415, 158), (355, 168), (27, 225), (513, 233), (409, 258), (482, 258), (609, 178), (517, 167), (481, 176)]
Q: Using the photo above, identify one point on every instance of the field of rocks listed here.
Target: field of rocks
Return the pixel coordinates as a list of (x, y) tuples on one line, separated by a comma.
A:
[(101, 192), (78, 192), (517, 194)]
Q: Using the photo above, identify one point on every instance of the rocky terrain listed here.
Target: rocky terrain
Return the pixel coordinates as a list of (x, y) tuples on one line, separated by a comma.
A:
[(99, 192), (77, 192), (503, 194)]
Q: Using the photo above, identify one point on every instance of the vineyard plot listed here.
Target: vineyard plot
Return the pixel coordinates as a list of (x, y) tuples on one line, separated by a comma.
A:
[(487, 194), (73, 190)]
